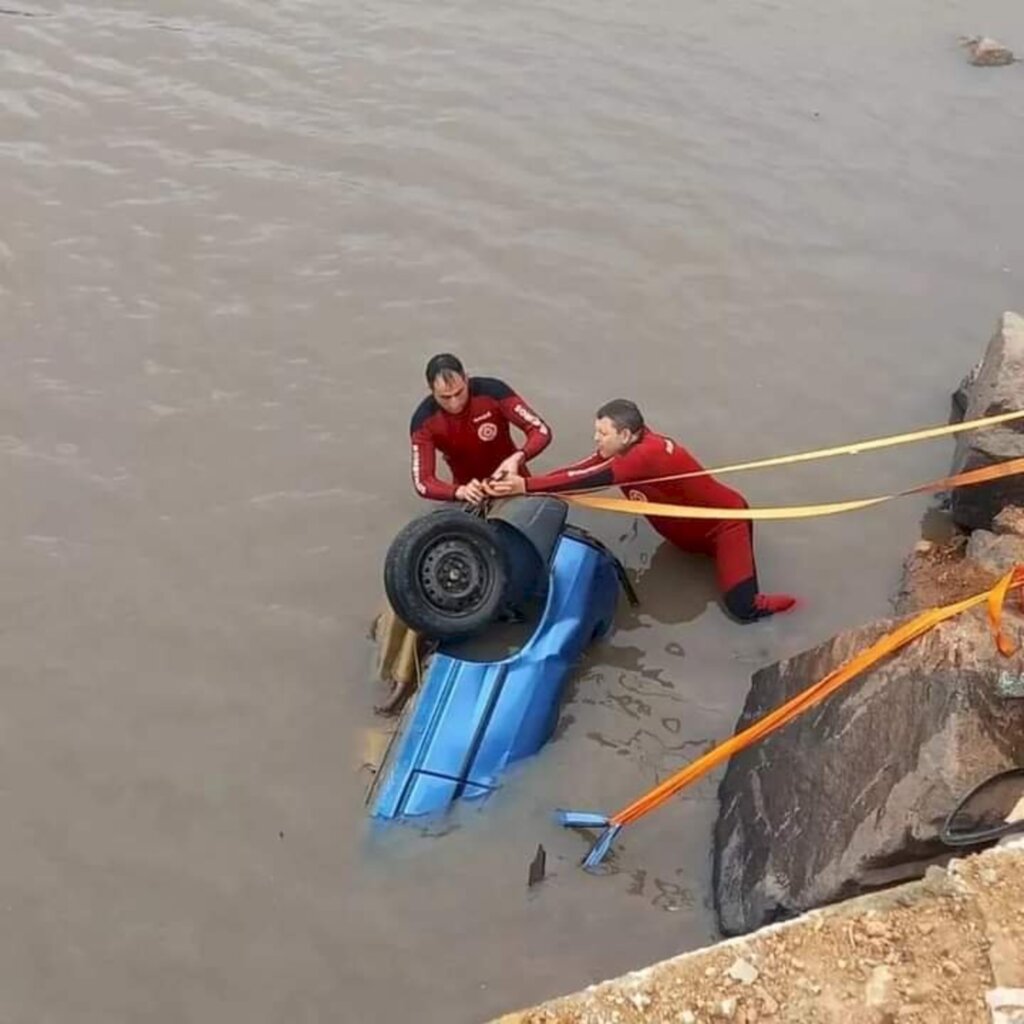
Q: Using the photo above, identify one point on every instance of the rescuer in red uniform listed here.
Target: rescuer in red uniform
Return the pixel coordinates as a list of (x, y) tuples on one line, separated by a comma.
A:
[(468, 421), (631, 455)]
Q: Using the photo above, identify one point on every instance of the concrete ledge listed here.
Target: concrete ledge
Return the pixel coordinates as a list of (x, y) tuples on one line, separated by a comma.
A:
[(948, 949)]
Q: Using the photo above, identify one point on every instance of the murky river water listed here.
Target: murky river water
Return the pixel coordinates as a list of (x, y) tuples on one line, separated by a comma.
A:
[(231, 234)]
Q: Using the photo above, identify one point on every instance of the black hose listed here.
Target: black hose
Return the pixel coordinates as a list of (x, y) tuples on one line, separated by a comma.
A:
[(981, 835)]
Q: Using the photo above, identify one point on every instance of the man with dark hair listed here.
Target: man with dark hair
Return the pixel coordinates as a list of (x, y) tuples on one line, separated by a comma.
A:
[(468, 420), (630, 454)]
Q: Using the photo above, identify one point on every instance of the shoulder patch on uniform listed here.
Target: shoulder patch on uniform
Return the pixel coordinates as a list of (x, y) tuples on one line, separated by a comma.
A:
[(423, 412), (492, 387)]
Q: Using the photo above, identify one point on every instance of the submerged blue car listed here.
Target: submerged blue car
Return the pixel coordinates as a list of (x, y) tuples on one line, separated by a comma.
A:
[(477, 713)]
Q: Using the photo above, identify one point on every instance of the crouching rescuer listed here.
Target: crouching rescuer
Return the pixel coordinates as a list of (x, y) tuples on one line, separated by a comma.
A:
[(652, 467)]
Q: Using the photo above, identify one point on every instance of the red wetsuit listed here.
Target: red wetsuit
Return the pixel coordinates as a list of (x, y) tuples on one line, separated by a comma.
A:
[(474, 442), (728, 541)]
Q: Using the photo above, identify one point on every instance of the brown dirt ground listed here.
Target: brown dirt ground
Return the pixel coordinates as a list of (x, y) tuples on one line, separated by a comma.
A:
[(938, 573)]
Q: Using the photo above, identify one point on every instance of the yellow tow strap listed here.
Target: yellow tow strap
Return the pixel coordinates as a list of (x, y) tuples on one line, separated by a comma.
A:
[(653, 508), (855, 448)]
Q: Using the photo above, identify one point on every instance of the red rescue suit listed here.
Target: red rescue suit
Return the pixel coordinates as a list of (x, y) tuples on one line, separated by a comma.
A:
[(475, 441), (728, 541)]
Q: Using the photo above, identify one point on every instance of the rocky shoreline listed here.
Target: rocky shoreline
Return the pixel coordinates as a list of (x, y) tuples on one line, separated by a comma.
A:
[(852, 795)]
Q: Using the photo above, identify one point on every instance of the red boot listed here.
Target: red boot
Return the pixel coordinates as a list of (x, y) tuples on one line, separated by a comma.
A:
[(773, 604)]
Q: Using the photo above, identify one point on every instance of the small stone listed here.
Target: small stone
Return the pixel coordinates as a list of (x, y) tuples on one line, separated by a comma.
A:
[(1010, 520), (743, 971), (640, 1000), (926, 928), (879, 986), (687, 1017), (875, 929), (798, 964), (951, 968), (709, 972), (841, 964), (987, 53), (922, 547), (727, 1008)]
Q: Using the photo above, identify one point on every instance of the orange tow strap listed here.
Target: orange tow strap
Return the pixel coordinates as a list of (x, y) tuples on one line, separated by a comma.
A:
[(818, 691)]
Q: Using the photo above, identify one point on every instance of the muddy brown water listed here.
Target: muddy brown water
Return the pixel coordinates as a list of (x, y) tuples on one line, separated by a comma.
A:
[(231, 234)]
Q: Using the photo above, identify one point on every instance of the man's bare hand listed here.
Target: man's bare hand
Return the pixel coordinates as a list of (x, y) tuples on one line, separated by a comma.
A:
[(513, 484), (473, 492), (511, 466)]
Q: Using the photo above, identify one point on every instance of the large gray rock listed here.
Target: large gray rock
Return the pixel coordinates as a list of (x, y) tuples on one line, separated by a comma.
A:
[(962, 395), (995, 552), (998, 388), (851, 795)]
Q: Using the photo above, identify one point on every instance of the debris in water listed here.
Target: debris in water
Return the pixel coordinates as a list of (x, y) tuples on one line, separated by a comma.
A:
[(987, 53), (537, 867)]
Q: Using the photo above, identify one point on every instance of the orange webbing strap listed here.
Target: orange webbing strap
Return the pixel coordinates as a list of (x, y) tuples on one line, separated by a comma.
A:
[(818, 691), (996, 599), (653, 508)]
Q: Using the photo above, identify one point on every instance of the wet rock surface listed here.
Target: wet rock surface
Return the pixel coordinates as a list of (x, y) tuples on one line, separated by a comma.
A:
[(850, 796)]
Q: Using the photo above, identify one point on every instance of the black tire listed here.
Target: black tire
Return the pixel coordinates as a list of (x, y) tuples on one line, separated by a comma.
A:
[(446, 574)]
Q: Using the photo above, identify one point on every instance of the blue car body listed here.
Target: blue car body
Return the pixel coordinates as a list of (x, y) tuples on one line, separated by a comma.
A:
[(471, 719)]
